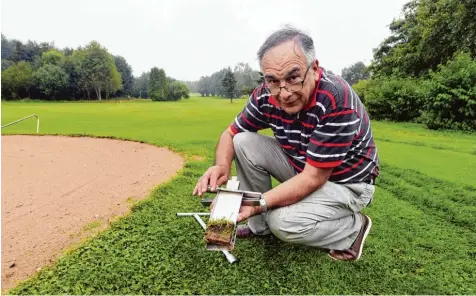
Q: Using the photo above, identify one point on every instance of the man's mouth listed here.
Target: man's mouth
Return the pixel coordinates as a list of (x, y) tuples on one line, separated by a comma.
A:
[(290, 103)]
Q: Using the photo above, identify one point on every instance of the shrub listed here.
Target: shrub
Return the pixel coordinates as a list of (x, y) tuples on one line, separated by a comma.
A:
[(396, 99), (451, 97), (178, 90), (360, 88)]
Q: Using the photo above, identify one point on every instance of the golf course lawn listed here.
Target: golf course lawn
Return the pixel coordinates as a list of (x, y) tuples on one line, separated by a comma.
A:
[(424, 214)]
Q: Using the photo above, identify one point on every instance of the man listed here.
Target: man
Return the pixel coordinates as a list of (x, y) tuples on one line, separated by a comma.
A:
[(322, 152)]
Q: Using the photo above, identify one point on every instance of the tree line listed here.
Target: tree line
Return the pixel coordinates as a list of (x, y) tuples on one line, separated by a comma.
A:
[(228, 82), (42, 71), (425, 71)]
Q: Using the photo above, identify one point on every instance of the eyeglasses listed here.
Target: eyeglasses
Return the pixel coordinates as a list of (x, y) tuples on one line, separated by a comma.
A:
[(293, 84)]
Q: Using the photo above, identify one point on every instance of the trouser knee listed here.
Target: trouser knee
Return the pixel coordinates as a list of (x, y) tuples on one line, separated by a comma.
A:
[(288, 230), (241, 139)]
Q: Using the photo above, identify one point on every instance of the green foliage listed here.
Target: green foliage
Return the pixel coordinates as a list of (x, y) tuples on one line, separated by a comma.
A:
[(126, 75), (433, 44), (354, 73), (115, 82), (398, 99), (229, 83), (205, 86), (421, 242), (16, 51), (17, 80), (6, 64), (158, 85), (70, 67), (51, 79), (246, 79), (429, 34), (451, 98), (91, 70), (360, 88), (140, 88), (52, 57), (177, 91), (97, 70)]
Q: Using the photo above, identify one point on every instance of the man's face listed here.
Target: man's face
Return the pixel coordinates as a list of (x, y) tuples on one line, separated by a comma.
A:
[(285, 64)]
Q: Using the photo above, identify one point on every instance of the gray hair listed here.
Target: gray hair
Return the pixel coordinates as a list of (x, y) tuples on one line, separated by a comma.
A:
[(289, 33)]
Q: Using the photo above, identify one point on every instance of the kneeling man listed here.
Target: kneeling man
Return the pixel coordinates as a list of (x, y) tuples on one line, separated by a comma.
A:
[(322, 152)]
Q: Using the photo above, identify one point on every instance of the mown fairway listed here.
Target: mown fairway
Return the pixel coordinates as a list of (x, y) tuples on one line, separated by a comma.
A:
[(424, 213)]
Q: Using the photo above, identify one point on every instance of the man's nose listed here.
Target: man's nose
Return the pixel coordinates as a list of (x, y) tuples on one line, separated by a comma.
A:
[(284, 93)]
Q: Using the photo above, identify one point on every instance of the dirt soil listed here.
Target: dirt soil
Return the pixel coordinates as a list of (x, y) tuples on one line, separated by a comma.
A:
[(56, 191)]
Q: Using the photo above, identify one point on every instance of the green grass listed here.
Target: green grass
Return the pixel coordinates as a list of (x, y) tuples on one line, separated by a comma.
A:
[(418, 135), (424, 214), (92, 225)]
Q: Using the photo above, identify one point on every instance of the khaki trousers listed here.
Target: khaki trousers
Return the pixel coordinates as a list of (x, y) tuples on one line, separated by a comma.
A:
[(328, 218)]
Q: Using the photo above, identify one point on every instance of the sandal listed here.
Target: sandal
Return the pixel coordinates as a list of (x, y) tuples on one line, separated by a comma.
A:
[(355, 251)]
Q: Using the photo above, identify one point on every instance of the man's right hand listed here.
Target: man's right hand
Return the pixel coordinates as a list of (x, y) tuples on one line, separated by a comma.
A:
[(215, 176)]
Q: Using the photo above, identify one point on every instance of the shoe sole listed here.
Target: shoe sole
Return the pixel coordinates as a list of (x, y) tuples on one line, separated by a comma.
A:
[(359, 253)]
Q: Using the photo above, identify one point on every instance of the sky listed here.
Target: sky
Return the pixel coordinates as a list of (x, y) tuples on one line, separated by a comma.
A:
[(193, 38)]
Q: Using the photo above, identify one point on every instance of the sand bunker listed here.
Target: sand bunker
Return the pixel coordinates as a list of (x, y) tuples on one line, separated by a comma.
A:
[(57, 190)]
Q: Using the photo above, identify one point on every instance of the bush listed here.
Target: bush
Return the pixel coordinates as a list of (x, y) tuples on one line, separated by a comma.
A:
[(178, 90), (451, 97), (396, 99), (158, 85), (360, 88)]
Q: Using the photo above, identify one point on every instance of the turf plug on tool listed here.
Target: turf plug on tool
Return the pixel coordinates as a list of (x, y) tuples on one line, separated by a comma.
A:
[(220, 232)]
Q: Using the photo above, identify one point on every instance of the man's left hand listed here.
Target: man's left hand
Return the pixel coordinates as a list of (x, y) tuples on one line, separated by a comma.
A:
[(248, 211), (245, 211)]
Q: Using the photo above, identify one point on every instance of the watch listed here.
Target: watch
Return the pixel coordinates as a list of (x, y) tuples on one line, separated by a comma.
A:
[(262, 203)]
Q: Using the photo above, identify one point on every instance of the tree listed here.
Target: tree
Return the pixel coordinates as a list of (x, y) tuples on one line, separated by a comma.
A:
[(260, 79), (451, 98), (52, 57), (71, 71), (192, 85), (126, 75), (204, 86), (17, 79), (51, 79), (429, 34), (7, 49), (140, 87), (158, 85), (354, 73), (178, 90), (115, 83), (245, 79), (217, 88), (229, 84), (6, 64), (96, 68)]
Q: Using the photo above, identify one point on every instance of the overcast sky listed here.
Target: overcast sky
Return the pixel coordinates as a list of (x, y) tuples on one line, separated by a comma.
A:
[(193, 38)]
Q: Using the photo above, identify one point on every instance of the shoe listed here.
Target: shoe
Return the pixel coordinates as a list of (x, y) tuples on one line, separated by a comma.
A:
[(355, 251), (243, 231)]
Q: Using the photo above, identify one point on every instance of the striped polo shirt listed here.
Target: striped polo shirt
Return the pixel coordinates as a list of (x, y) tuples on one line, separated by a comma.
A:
[(332, 131)]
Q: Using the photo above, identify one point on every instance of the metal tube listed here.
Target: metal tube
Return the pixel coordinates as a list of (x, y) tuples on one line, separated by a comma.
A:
[(200, 221), (250, 194), (21, 119), (191, 214)]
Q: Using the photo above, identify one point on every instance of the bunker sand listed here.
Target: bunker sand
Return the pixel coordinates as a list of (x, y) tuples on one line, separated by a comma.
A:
[(58, 190)]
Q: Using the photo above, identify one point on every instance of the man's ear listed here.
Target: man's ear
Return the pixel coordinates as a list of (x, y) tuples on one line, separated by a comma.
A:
[(315, 68)]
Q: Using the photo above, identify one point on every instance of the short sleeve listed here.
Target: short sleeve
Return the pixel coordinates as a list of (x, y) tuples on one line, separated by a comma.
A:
[(332, 138), (251, 118)]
